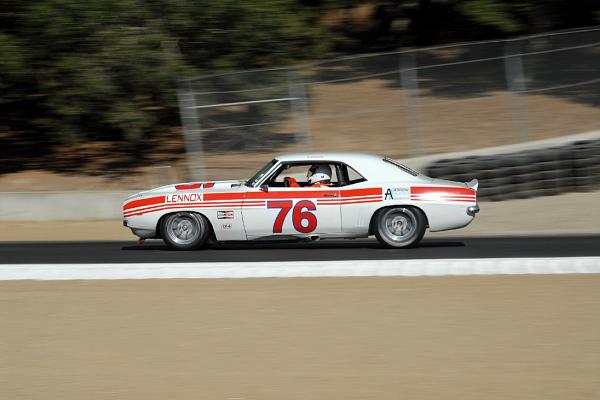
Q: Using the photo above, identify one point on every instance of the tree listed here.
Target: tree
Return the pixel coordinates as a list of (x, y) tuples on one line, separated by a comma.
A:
[(109, 68)]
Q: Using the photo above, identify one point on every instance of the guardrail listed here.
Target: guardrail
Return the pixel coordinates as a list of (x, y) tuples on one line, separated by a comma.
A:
[(61, 206), (539, 168), (529, 173)]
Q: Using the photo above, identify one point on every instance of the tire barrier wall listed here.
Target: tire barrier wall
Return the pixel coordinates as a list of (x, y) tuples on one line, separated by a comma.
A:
[(545, 172)]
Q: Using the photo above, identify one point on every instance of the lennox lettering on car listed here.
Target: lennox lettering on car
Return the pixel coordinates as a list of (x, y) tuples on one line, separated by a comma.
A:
[(183, 198)]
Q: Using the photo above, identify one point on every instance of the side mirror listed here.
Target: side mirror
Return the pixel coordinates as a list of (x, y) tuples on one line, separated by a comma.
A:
[(264, 187)]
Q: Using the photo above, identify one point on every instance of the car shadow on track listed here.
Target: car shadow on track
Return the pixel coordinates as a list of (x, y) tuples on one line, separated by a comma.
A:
[(321, 245)]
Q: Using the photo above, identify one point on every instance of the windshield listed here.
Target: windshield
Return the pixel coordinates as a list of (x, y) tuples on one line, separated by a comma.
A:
[(252, 181)]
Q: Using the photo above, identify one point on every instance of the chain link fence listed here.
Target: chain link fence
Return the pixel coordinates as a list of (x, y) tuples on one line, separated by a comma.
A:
[(404, 103)]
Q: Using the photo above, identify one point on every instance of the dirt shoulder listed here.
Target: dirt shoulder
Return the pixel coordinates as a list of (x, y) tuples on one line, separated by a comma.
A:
[(497, 337), (572, 213)]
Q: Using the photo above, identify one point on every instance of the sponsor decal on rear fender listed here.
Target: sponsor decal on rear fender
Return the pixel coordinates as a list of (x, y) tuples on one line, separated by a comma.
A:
[(396, 193)]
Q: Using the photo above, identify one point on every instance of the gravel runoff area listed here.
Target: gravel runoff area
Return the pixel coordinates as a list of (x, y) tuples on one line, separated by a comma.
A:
[(572, 213), (426, 338)]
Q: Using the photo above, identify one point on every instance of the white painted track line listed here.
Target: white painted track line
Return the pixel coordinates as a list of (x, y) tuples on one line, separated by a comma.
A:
[(362, 268)]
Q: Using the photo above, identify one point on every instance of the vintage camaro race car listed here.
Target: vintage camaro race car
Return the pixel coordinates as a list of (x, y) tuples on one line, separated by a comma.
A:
[(291, 198)]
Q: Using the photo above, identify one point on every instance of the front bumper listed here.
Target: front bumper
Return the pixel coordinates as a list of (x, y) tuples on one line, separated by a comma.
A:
[(472, 210), (140, 232)]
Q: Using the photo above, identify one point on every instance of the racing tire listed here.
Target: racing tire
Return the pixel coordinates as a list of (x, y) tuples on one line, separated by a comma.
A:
[(399, 227), (185, 230)]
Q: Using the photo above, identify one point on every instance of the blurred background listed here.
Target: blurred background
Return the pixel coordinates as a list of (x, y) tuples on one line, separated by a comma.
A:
[(120, 95)]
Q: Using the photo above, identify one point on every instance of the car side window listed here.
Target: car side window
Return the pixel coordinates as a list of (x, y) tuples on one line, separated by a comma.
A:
[(298, 172), (353, 176)]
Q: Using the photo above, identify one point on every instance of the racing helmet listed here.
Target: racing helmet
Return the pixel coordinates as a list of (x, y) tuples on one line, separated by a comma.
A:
[(319, 173)]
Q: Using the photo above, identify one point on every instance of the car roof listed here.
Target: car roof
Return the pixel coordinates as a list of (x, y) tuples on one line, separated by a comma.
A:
[(329, 156), (371, 166)]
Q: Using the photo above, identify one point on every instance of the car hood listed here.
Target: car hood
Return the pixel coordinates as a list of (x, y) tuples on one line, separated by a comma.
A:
[(221, 186)]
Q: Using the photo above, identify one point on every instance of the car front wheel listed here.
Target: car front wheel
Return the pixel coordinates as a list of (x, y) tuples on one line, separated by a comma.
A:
[(400, 227), (185, 230)]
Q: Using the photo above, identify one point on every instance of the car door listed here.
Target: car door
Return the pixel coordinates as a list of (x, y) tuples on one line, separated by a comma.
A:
[(359, 198), (291, 211), (298, 211)]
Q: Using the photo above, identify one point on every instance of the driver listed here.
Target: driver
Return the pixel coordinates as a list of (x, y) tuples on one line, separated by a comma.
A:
[(319, 175)]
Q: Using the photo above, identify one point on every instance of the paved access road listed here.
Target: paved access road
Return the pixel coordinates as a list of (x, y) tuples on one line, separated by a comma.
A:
[(367, 249)]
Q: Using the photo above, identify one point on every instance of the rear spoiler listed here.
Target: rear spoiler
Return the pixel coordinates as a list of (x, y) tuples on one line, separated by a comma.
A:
[(473, 184)]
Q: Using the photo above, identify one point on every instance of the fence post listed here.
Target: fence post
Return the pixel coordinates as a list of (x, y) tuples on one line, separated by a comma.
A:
[(191, 131), (299, 109), (410, 86), (516, 84)]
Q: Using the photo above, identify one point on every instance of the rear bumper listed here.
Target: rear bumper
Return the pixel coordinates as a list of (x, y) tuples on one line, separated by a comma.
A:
[(472, 210)]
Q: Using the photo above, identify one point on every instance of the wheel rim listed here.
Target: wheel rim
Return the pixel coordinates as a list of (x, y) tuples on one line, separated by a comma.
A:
[(183, 229), (399, 224)]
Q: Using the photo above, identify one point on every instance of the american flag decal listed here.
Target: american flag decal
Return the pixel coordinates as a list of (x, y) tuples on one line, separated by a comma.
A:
[(227, 214)]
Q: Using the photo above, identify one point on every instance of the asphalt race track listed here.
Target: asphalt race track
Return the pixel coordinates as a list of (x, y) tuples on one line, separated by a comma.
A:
[(366, 249)]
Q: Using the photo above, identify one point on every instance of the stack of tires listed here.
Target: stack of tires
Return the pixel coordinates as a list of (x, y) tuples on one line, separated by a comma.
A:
[(532, 173)]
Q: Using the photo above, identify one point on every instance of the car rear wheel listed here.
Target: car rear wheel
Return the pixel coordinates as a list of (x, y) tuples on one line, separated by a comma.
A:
[(400, 227), (185, 230)]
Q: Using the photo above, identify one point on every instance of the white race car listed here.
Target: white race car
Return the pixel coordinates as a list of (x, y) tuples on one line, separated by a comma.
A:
[(290, 198)]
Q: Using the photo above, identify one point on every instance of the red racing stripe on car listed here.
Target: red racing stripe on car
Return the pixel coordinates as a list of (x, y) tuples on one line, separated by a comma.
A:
[(224, 196), (188, 186), (190, 205), (442, 200), (438, 197), (171, 207), (183, 205), (222, 203), (443, 190), (291, 194), (144, 202), (339, 202), (308, 194), (376, 197), (361, 192)]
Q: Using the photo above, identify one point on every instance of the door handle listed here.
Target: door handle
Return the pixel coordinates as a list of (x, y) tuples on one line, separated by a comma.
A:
[(330, 195)]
